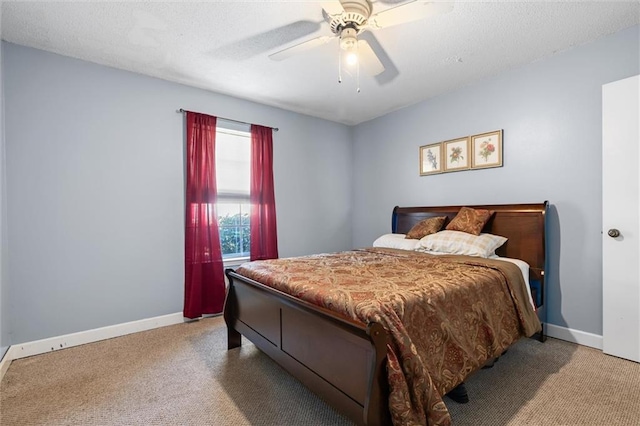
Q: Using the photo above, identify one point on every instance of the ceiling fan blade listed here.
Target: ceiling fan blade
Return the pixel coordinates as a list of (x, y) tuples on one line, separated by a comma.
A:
[(300, 48), (331, 8), (409, 12), (261, 43), (368, 59), (390, 71), (327, 16)]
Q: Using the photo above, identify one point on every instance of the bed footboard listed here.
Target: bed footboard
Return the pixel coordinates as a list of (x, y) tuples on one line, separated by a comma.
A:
[(342, 361)]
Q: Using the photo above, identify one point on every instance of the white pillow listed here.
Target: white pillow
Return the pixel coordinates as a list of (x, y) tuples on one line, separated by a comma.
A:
[(456, 242), (396, 241)]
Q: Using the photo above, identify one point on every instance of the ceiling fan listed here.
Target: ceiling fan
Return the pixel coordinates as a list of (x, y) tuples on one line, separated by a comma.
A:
[(349, 19)]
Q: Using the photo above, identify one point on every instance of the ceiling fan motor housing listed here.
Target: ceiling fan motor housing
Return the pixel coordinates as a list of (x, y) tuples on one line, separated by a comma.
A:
[(348, 39), (356, 13)]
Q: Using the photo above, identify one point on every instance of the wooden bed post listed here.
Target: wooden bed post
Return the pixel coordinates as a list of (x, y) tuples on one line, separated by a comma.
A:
[(234, 338), (376, 408)]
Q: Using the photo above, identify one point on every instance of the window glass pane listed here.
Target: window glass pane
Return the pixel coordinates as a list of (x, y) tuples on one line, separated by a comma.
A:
[(233, 223)]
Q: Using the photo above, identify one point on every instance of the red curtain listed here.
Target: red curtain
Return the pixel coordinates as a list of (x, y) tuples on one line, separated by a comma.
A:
[(264, 239), (204, 277)]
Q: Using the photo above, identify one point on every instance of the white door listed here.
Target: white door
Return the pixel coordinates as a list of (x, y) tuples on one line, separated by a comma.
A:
[(621, 218)]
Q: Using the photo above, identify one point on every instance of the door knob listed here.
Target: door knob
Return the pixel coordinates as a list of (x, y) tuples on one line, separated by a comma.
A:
[(613, 233)]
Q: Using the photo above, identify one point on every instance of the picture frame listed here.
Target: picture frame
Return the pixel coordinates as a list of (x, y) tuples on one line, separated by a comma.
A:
[(456, 154), (431, 159), (486, 150)]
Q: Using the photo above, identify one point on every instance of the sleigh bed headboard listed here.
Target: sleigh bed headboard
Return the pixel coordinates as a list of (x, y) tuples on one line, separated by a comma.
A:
[(523, 224)]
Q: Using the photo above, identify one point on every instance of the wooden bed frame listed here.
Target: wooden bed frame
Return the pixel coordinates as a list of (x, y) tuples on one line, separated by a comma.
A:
[(344, 361)]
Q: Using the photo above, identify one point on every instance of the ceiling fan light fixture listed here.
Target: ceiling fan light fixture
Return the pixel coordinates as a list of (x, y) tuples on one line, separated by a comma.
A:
[(348, 39), (352, 58), (348, 51)]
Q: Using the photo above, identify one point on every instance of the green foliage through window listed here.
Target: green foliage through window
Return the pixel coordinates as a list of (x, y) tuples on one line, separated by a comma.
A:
[(234, 234)]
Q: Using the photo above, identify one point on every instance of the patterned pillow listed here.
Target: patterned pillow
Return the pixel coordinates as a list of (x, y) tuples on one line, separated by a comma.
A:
[(426, 227), (469, 220), (455, 242)]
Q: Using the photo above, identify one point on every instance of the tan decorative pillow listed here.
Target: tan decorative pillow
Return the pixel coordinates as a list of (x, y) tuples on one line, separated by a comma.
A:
[(469, 220), (426, 227)]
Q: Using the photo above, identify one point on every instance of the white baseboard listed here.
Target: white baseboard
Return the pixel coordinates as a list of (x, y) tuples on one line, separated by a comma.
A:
[(5, 362), (38, 347), (75, 339), (574, 336)]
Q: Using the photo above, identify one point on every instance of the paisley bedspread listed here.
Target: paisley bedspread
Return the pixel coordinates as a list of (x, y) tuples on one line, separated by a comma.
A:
[(446, 315)]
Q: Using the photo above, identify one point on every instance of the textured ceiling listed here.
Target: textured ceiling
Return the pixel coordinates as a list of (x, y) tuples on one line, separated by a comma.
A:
[(223, 46)]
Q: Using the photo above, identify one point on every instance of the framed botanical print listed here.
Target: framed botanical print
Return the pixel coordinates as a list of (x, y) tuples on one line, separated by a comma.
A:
[(456, 154), (486, 150), (431, 159)]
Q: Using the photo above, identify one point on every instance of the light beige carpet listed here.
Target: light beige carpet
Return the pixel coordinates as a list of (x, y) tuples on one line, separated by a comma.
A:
[(183, 375)]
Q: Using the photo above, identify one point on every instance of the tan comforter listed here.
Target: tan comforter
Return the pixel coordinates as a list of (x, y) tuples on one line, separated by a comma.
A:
[(446, 315)]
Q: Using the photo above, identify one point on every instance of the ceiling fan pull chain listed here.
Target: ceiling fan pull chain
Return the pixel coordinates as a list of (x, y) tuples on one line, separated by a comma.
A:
[(357, 69), (339, 63)]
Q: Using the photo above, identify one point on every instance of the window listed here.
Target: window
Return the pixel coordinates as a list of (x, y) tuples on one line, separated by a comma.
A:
[(233, 165)]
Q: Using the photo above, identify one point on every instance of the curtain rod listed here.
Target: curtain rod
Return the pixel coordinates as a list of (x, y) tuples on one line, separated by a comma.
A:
[(275, 129)]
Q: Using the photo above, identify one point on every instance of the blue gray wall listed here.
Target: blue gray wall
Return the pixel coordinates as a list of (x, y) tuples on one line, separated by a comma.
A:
[(4, 333), (95, 190), (551, 113)]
